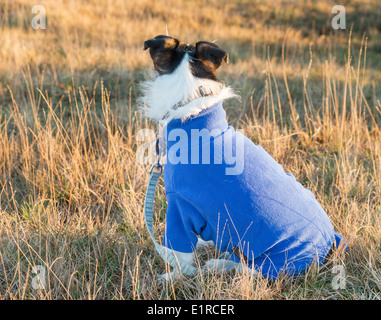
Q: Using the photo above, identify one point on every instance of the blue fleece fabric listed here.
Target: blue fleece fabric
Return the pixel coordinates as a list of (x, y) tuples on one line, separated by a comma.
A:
[(275, 222)]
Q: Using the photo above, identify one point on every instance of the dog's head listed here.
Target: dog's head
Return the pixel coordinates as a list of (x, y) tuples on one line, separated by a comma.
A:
[(167, 53)]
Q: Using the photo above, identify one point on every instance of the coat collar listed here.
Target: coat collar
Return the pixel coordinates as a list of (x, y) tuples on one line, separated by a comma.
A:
[(211, 119)]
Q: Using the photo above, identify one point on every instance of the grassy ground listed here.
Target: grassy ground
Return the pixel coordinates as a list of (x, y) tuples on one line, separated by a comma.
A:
[(72, 192)]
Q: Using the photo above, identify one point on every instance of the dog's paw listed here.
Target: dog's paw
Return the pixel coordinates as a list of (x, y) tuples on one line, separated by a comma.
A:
[(202, 243), (170, 276), (221, 265), (225, 256), (163, 278)]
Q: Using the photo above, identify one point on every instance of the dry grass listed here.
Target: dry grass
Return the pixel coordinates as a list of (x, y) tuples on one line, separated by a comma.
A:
[(71, 191)]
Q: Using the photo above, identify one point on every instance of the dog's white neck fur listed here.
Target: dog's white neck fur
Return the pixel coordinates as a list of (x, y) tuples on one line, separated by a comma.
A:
[(163, 92)]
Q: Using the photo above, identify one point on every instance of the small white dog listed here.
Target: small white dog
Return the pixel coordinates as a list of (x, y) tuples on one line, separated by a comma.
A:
[(221, 188)]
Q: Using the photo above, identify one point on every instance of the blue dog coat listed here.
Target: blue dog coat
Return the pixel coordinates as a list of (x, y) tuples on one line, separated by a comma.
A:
[(255, 211)]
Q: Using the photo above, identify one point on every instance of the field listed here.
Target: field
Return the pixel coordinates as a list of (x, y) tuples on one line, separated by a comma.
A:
[(72, 192)]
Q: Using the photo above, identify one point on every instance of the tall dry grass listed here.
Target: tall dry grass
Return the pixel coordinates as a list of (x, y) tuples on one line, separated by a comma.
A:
[(72, 192)]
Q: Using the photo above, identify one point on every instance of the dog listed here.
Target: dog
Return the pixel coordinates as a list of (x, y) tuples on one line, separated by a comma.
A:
[(221, 188)]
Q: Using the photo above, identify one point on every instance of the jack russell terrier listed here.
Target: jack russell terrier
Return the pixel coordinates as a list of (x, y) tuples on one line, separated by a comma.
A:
[(221, 188)]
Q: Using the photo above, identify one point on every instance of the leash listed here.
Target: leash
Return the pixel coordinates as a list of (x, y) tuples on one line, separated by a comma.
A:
[(155, 173)]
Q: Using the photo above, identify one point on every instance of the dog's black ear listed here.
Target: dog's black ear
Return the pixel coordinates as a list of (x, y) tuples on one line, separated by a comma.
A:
[(210, 52), (162, 50), (161, 42)]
